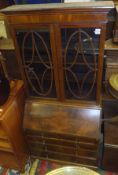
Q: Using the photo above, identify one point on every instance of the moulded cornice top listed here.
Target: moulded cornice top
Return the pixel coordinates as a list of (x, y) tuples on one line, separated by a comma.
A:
[(35, 7)]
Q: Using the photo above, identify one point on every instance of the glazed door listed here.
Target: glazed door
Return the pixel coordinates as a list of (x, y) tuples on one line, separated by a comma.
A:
[(80, 57), (37, 58), (61, 62)]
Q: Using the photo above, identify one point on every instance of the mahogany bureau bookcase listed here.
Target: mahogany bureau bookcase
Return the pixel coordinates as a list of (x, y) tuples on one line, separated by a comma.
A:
[(60, 51)]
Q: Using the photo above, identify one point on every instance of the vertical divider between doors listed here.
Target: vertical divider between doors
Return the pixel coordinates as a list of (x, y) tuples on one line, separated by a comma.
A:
[(57, 59), (54, 57)]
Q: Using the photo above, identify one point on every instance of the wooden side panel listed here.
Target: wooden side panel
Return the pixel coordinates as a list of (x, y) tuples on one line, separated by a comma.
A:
[(8, 160), (110, 152), (110, 158), (12, 142), (12, 123)]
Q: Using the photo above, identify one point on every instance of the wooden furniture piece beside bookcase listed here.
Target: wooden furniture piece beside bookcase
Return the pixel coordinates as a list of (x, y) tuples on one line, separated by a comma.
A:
[(110, 109), (60, 52), (13, 151), (115, 32), (110, 152)]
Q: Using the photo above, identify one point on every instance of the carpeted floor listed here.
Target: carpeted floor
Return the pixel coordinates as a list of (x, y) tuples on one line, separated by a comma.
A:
[(40, 167)]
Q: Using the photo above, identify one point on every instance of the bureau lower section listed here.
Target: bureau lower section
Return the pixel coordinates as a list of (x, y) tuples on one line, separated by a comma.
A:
[(63, 133), (70, 149)]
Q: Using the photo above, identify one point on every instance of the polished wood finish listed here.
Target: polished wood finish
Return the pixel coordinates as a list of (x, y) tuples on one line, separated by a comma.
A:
[(55, 18), (13, 150), (63, 132), (51, 113), (61, 127)]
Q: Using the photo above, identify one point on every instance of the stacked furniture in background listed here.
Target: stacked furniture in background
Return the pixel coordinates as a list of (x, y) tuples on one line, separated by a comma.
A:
[(60, 52), (110, 110), (111, 59), (110, 152), (115, 32)]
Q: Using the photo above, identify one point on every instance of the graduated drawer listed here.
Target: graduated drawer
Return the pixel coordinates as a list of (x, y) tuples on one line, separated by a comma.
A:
[(61, 142), (5, 145), (66, 158), (3, 134), (60, 139), (38, 148)]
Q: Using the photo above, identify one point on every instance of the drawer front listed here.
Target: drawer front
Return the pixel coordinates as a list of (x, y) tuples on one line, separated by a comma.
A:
[(2, 133), (37, 148), (53, 138), (62, 147), (61, 142), (5, 145), (65, 158)]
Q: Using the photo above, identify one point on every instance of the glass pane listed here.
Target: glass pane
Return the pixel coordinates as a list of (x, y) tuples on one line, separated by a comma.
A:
[(36, 56), (80, 48)]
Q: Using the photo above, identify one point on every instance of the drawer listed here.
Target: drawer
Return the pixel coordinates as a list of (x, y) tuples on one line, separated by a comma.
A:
[(37, 148), (2, 133), (61, 142), (67, 140), (5, 145), (70, 137), (65, 157)]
